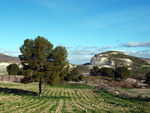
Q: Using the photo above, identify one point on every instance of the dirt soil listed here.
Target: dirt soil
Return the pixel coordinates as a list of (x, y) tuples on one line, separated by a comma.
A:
[(137, 92)]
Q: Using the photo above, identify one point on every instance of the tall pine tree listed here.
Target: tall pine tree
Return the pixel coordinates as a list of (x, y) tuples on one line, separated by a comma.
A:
[(41, 63)]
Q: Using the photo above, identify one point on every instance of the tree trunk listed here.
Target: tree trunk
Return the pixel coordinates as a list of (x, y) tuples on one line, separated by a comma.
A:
[(40, 88)]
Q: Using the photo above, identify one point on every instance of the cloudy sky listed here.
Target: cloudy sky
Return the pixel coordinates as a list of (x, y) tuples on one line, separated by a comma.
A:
[(84, 27)]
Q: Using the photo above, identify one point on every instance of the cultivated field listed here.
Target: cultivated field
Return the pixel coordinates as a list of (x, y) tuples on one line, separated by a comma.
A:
[(20, 98)]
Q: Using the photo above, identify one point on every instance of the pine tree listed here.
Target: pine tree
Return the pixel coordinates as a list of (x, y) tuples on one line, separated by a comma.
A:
[(41, 63)]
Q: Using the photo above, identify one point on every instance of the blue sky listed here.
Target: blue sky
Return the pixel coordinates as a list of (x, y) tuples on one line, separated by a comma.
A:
[(84, 27)]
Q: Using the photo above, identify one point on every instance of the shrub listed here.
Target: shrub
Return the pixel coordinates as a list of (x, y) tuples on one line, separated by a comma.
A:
[(13, 69), (109, 72), (94, 71), (81, 77), (121, 73)]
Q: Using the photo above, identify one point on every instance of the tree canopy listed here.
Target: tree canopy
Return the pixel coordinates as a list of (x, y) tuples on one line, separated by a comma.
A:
[(13, 69), (42, 63)]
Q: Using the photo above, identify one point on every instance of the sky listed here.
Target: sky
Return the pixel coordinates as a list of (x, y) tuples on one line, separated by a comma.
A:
[(84, 27)]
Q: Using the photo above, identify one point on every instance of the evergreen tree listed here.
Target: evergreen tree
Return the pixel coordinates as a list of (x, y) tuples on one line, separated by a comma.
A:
[(13, 69), (41, 63)]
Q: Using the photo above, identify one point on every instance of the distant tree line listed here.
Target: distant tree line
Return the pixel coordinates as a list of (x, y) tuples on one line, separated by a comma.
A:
[(120, 73)]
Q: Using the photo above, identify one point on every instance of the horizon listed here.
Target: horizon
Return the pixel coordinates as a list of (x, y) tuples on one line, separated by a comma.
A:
[(84, 28), (85, 62)]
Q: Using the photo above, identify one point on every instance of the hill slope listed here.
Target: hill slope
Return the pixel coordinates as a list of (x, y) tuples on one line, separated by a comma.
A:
[(6, 58)]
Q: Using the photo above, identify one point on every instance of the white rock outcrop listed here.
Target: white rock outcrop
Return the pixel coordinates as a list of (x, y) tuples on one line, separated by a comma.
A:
[(3, 65), (108, 60)]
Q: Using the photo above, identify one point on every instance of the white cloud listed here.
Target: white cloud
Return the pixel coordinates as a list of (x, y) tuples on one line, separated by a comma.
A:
[(90, 47), (84, 54), (9, 52), (143, 53), (137, 44)]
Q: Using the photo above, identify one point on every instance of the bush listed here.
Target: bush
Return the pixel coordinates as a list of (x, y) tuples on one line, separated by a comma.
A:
[(109, 72), (148, 78), (13, 69), (121, 73), (94, 71), (81, 77)]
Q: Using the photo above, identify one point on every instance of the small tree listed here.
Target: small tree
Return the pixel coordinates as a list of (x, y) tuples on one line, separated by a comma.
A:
[(122, 73), (148, 78), (13, 69), (41, 63)]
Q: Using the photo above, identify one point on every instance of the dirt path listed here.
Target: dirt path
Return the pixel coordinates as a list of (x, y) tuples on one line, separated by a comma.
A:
[(137, 92), (48, 108), (68, 106)]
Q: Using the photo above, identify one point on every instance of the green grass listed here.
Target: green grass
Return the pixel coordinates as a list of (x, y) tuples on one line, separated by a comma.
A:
[(134, 104)]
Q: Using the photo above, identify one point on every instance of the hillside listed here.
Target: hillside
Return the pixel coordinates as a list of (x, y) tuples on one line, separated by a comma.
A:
[(6, 58), (5, 61)]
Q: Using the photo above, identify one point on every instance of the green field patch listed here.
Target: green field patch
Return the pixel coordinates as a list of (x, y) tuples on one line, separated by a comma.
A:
[(131, 104), (73, 86)]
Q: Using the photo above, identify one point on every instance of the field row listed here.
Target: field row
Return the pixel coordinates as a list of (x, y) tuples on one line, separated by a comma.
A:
[(25, 99)]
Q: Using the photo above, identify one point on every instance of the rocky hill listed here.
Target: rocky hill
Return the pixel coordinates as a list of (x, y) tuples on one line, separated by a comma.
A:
[(117, 59)]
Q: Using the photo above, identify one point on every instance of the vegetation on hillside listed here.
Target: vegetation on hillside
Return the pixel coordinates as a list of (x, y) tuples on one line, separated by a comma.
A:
[(119, 74)]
